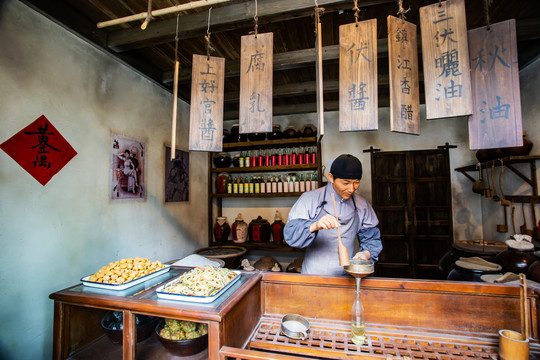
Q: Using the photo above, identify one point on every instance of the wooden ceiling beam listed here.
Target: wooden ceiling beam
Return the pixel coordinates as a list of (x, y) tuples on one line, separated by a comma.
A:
[(227, 17)]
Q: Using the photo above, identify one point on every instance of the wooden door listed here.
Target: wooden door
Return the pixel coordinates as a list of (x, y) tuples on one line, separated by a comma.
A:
[(412, 198)]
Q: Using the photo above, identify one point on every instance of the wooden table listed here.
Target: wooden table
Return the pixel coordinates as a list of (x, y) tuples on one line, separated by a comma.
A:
[(415, 319), (79, 309)]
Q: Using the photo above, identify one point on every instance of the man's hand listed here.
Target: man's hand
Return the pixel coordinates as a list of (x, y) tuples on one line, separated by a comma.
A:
[(326, 222), (362, 255)]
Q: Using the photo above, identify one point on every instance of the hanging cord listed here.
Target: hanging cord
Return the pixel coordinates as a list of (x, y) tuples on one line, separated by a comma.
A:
[(356, 11), (487, 3), (149, 16), (207, 37), (440, 3), (256, 18), (401, 12)]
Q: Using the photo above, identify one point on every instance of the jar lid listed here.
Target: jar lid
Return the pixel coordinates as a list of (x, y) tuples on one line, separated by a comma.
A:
[(477, 263), (277, 217), (239, 217)]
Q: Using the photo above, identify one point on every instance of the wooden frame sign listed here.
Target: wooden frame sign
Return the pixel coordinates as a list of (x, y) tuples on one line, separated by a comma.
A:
[(445, 56), (256, 70), (403, 63), (206, 114), (358, 76), (496, 120)]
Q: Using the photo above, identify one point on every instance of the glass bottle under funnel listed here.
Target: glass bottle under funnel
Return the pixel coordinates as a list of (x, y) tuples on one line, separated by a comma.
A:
[(358, 269), (358, 320)]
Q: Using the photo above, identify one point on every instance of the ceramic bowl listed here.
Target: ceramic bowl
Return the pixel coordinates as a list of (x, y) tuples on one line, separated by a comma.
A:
[(182, 347), (111, 326)]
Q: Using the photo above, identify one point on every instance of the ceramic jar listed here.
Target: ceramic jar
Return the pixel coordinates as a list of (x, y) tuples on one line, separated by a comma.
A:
[(221, 230), (276, 133), (515, 260), (290, 132), (256, 136), (462, 273), (235, 134), (277, 229), (523, 150), (309, 130), (259, 230), (222, 181), (222, 160), (239, 230)]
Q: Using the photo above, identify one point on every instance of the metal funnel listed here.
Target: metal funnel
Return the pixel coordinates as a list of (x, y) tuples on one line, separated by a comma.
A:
[(360, 268)]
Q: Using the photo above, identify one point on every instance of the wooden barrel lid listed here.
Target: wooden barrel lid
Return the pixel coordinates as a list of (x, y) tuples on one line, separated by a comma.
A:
[(222, 252), (482, 247)]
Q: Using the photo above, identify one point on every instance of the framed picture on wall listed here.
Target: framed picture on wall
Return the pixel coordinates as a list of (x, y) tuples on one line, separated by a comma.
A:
[(127, 175), (176, 176)]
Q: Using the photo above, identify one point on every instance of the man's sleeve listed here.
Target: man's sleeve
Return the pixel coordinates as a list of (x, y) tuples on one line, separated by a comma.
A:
[(296, 231), (370, 239)]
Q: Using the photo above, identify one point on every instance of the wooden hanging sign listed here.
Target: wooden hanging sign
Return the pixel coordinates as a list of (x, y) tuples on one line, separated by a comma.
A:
[(446, 59), (206, 114), (256, 70), (496, 120), (403, 63), (358, 76)]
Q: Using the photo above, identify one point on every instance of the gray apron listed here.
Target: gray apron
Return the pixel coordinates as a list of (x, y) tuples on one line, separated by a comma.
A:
[(322, 255)]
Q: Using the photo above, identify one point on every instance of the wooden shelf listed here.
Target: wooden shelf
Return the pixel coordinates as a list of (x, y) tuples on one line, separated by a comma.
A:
[(298, 167), (260, 195), (265, 246), (269, 143)]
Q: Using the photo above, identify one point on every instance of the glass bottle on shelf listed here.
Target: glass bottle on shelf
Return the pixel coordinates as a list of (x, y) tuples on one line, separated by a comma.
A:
[(235, 186), (247, 160), (251, 187), (302, 184), (241, 160), (246, 185), (240, 185)]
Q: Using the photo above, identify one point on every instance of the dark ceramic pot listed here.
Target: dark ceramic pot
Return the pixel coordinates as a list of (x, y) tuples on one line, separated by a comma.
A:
[(290, 132), (276, 133), (277, 231), (226, 136), (222, 160), (259, 230), (182, 347), (236, 136), (488, 154), (484, 249), (222, 181), (516, 261), (236, 160), (256, 136), (464, 274), (112, 326), (309, 130), (523, 150), (230, 254), (222, 230)]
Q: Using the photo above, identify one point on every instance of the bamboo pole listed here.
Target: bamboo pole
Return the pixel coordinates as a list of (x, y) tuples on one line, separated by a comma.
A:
[(160, 12), (319, 72), (175, 104)]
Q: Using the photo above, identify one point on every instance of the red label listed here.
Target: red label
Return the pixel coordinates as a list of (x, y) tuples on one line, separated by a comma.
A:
[(256, 234)]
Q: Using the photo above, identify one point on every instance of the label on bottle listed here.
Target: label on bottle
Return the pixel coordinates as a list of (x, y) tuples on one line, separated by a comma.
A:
[(286, 186), (257, 188), (235, 188), (229, 188)]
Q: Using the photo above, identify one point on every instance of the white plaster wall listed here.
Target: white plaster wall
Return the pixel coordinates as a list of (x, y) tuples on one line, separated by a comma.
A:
[(53, 235)]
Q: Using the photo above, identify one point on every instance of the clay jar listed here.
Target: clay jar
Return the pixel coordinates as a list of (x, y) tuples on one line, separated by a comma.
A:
[(239, 230), (516, 261), (523, 150), (221, 230), (276, 133), (259, 230), (222, 160), (235, 134), (222, 180), (468, 272), (277, 229)]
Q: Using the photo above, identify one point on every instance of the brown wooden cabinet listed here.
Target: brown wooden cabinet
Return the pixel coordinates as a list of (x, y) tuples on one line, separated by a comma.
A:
[(412, 198), (235, 147)]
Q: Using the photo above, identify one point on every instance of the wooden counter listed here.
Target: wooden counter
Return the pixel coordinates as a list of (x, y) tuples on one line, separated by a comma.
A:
[(418, 319)]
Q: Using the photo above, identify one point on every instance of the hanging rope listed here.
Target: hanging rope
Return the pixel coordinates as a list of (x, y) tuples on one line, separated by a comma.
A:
[(356, 11), (256, 18), (487, 3), (175, 92), (149, 16), (207, 37), (401, 12)]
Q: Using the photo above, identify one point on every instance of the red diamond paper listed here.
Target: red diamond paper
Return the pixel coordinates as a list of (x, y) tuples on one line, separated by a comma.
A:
[(40, 149)]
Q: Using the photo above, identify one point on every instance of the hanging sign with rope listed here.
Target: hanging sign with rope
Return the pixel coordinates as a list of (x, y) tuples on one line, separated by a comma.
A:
[(358, 108), (403, 79), (496, 120), (207, 89), (445, 57), (256, 71)]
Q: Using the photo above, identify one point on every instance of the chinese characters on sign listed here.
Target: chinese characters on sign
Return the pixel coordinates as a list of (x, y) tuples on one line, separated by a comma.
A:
[(206, 114), (256, 68), (403, 63), (496, 119), (445, 56), (358, 108), (40, 149)]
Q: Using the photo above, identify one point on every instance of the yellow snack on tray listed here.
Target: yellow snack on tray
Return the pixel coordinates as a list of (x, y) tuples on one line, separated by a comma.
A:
[(125, 270)]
